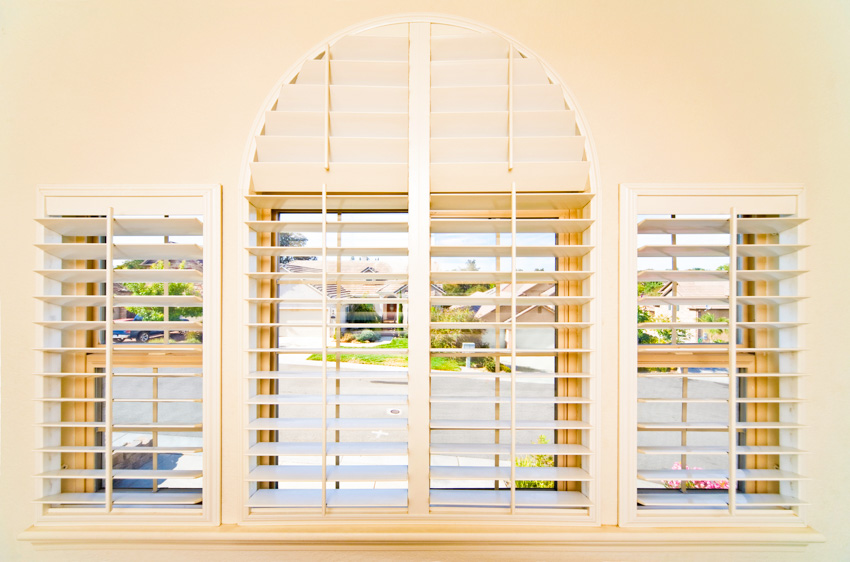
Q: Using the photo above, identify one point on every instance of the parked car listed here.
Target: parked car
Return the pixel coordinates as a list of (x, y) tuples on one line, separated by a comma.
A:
[(141, 336)]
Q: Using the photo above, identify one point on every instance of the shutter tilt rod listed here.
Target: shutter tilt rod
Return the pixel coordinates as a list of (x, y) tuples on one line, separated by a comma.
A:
[(513, 347), (733, 357), (324, 349), (510, 108), (328, 107)]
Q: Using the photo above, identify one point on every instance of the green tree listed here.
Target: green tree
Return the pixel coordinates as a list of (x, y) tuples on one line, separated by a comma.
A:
[(467, 288), (644, 336), (715, 335), (132, 264), (646, 289), (649, 288), (661, 335), (152, 313), (293, 240)]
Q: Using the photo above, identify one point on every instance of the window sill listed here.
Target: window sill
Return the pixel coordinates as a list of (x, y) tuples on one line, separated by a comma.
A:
[(422, 536)]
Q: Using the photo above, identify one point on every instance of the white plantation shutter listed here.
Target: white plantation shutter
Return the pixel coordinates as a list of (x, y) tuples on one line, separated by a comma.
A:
[(320, 433), (335, 147), (341, 122), (519, 439), (122, 426), (509, 182), (497, 119), (364, 166), (715, 419)]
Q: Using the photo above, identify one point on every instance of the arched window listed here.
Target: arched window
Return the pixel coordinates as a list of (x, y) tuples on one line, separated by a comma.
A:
[(420, 301)]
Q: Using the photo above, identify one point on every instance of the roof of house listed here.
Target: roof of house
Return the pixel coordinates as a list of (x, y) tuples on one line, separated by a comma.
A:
[(523, 289), (698, 289), (350, 289), (345, 266)]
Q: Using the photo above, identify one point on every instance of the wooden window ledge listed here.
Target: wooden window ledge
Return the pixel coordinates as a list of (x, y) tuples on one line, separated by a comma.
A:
[(421, 536)]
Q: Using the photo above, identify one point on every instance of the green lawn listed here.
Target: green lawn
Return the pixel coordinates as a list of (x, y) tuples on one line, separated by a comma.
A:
[(437, 363)]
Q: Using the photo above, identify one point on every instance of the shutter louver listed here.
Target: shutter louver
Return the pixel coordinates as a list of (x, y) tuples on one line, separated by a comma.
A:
[(122, 360)]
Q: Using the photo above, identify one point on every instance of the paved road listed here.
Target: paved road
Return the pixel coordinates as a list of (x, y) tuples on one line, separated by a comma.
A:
[(481, 385)]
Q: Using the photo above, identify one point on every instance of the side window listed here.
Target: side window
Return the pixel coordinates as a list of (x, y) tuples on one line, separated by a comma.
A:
[(128, 289), (712, 387)]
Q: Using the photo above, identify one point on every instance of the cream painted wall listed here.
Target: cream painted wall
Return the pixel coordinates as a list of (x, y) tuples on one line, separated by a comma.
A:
[(119, 91)]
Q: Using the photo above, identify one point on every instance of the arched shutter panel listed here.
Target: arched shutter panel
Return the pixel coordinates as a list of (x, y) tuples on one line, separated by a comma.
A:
[(432, 133)]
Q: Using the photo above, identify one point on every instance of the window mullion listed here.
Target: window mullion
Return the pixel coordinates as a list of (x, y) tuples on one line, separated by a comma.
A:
[(419, 271)]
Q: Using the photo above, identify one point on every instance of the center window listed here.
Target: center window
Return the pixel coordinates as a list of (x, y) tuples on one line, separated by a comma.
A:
[(420, 285)]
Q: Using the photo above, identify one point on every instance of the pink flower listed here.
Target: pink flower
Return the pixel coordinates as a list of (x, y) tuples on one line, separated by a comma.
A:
[(697, 484)]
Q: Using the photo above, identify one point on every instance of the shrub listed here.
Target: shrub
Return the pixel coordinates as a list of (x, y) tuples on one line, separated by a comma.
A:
[(544, 461), (368, 336), (194, 337), (490, 364), (362, 314), (696, 484), (453, 337), (348, 337)]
